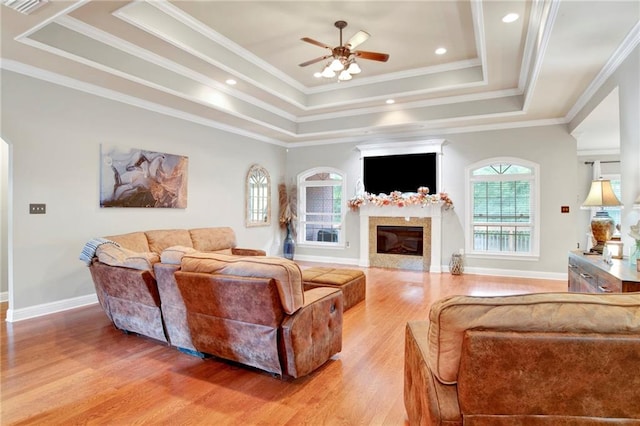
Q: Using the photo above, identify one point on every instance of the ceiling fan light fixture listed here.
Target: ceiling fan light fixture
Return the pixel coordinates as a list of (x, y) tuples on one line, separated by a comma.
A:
[(354, 68), (337, 65), (344, 76), (327, 72), (342, 57)]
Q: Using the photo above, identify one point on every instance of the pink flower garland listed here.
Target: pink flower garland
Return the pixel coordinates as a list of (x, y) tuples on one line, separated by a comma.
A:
[(397, 198)]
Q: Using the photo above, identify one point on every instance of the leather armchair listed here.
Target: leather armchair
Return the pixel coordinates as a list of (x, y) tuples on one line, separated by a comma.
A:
[(536, 359)]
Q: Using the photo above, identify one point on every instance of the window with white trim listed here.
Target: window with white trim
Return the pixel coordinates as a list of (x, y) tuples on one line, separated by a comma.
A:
[(321, 207), (502, 217)]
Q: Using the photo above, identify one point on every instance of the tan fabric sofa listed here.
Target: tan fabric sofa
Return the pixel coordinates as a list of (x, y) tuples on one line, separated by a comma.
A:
[(125, 281), (537, 359)]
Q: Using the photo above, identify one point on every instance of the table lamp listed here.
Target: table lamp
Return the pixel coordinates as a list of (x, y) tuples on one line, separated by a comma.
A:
[(601, 195)]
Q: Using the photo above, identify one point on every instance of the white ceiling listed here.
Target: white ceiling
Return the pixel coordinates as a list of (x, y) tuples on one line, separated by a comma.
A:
[(174, 57)]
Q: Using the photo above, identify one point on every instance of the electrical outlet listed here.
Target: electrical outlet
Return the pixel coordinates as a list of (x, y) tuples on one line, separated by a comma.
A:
[(564, 209), (37, 208)]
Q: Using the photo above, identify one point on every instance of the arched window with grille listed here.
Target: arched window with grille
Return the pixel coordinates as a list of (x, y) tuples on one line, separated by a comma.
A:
[(321, 207), (503, 218)]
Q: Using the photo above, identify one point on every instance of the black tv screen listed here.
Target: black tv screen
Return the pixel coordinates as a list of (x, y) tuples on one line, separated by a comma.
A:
[(404, 173)]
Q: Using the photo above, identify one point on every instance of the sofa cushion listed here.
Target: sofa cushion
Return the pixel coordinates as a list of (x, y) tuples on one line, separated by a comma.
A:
[(135, 241), (173, 255), (570, 312), (113, 255), (213, 239), (286, 273), (162, 238)]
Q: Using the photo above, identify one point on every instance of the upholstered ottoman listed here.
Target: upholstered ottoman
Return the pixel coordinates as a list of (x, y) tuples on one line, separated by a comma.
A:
[(352, 282)]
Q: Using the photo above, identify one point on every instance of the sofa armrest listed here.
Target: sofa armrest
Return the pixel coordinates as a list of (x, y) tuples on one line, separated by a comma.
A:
[(313, 334), (427, 400), (247, 252)]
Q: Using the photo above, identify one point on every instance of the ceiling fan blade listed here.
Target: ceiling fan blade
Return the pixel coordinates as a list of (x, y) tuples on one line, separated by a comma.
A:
[(359, 38), (317, 43), (313, 61), (374, 56)]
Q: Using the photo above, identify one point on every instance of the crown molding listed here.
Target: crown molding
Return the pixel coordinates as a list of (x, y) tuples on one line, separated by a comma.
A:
[(92, 89), (622, 52)]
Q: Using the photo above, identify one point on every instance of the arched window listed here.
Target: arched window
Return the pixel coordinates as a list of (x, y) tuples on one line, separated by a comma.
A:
[(258, 197), (321, 207), (503, 216)]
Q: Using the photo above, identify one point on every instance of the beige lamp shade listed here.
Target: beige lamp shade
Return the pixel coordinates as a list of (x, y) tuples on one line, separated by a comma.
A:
[(601, 195)]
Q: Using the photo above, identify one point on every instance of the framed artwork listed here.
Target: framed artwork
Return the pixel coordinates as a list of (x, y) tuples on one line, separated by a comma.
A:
[(140, 178)]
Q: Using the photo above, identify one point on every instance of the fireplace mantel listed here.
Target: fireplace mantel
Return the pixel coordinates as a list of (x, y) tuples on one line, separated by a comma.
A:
[(433, 211)]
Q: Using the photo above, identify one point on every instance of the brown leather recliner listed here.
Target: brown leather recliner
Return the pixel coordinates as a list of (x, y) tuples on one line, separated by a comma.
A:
[(253, 310), (539, 359)]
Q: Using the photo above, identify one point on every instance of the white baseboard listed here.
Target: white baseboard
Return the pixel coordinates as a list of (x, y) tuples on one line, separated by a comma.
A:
[(323, 259), (14, 315), (560, 276)]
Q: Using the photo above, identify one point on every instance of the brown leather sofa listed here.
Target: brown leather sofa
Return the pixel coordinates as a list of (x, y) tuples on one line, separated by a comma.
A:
[(195, 290), (125, 281), (537, 359)]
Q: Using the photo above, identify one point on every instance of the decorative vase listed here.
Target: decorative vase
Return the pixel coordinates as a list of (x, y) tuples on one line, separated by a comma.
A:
[(456, 265), (289, 245)]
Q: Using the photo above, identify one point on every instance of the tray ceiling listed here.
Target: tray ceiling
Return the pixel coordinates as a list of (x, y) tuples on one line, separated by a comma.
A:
[(175, 58)]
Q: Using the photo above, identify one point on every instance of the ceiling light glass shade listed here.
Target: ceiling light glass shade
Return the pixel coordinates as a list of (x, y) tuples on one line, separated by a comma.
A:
[(344, 76), (354, 68), (328, 72), (337, 65), (601, 195)]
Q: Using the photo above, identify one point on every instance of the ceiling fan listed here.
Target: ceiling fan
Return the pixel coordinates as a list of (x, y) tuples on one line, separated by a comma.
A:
[(344, 56)]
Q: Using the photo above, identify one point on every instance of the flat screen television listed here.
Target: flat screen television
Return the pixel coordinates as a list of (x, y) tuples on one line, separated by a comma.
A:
[(404, 173)]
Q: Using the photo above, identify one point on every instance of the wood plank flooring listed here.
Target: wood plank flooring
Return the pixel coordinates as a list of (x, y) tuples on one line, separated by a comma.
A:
[(74, 368)]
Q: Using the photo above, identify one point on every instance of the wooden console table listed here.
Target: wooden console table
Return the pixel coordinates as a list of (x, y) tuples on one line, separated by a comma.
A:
[(590, 274)]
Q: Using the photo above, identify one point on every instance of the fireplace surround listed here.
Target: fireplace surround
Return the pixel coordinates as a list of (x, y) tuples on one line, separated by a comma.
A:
[(428, 217)]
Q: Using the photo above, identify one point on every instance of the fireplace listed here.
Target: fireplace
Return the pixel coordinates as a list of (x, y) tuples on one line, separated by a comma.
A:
[(406, 240), (394, 219)]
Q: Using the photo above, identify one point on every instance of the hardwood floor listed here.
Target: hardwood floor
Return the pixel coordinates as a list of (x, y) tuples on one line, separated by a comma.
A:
[(75, 368)]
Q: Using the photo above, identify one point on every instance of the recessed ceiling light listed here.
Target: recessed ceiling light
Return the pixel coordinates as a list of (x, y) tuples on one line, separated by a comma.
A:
[(231, 82), (510, 17), (441, 51), (390, 101)]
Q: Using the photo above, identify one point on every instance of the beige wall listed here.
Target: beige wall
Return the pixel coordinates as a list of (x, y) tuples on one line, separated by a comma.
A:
[(625, 78), (55, 134), (550, 146)]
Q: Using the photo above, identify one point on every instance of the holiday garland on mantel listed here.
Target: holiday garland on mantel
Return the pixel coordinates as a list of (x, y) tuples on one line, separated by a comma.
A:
[(399, 199)]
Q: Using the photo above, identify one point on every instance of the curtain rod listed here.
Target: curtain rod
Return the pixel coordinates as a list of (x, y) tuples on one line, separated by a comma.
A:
[(612, 161)]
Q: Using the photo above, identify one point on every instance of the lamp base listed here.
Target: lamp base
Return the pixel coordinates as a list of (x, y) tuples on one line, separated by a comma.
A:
[(602, 229)]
